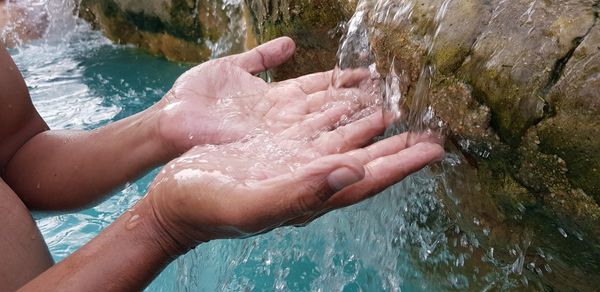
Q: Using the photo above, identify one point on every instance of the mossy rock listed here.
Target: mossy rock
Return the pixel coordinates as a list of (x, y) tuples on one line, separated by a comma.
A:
[(180, 30), (519, 95), (194, 31), (312, 24)]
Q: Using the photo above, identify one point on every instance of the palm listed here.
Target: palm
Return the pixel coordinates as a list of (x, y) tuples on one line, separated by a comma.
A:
[(268, 155), (222, 101), (244, 188), (271, 154)]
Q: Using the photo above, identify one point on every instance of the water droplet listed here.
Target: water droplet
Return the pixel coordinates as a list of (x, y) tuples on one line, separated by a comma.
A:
[(133, 222), (562, 232)]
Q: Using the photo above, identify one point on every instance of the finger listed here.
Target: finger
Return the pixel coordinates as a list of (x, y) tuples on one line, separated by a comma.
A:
[(391, 145), (317, 100), (351, 136), (385, 171), (349, 77), (315, 82), (414, 138), (382, 148), (321, 81), (265, 56), (322, 121), (308, 188)]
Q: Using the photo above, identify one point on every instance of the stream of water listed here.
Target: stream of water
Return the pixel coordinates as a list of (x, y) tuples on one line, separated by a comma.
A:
[(404, 239)]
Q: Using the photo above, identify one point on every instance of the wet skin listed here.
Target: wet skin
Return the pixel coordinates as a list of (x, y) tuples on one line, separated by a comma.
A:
[(212, 130)]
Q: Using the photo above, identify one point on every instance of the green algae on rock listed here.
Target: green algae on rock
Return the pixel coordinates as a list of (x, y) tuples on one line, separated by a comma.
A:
[(194, 31), (180, 30), (517, 85)]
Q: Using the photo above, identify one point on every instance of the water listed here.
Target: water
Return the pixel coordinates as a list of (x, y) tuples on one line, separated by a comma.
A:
[(78, 80), (405, 239), (81, 81), (475, 258)]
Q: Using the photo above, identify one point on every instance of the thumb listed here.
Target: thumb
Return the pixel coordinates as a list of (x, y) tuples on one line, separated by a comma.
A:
[(306, 190), (266, 56)]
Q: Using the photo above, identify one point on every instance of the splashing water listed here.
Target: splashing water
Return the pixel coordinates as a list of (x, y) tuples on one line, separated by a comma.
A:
[(414, 113), (412, 237), (465, 250)]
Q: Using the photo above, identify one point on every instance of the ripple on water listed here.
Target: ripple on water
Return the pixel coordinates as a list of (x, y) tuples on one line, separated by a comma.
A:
[(80, 81), (57, 86)]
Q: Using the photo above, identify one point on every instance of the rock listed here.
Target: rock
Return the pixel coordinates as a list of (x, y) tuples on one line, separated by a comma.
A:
[(194, 31), (517, 85), (180, 30), (312, 24)]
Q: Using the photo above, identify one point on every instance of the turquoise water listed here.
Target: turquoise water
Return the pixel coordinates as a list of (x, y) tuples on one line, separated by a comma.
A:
[(400, 240), (413, 237), (84, 82)]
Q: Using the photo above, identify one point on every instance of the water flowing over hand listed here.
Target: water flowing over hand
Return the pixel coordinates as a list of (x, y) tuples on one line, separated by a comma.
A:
[(252, 186), (221, 101)]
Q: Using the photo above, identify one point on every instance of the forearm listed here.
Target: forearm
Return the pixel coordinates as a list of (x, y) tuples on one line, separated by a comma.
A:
[(126, 256), (68, 169)]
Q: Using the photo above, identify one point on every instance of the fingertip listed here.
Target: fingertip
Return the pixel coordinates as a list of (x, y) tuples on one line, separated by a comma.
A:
[(282, 49), (288, 44), (434, 151), (413, 138)]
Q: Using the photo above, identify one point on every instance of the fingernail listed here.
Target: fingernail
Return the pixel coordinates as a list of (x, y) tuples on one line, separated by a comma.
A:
[(343, 177)]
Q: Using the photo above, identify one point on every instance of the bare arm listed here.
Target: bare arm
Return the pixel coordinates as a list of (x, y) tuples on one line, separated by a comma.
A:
[(59, 170), (216, 103), (24, 254), (19, 121), (126, 256), (191, 203), (68, 169)]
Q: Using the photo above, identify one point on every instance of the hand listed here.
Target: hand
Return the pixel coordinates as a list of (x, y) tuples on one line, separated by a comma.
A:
[(221, 101), (245, 188)]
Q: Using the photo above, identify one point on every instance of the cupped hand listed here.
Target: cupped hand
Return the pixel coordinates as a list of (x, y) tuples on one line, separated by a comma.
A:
[(222, 100), (249, 187)]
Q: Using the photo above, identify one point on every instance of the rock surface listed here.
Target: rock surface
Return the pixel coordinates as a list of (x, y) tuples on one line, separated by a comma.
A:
[(517, 84), (181, 30), (194, 31)]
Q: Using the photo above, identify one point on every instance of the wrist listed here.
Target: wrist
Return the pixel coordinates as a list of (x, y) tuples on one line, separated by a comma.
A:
[(166, 238), (162, 143)]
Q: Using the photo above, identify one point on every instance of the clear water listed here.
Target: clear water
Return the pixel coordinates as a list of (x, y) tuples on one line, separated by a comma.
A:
[(79, 80), (403, 239), (86, 82)]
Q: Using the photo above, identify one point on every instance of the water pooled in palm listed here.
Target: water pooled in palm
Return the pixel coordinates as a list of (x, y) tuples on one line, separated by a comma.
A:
[(412, 237)]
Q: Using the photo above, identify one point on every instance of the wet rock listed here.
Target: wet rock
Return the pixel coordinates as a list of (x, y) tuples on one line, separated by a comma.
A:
[(517, 83), (312, 24), (193, 31), (181, 30)]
